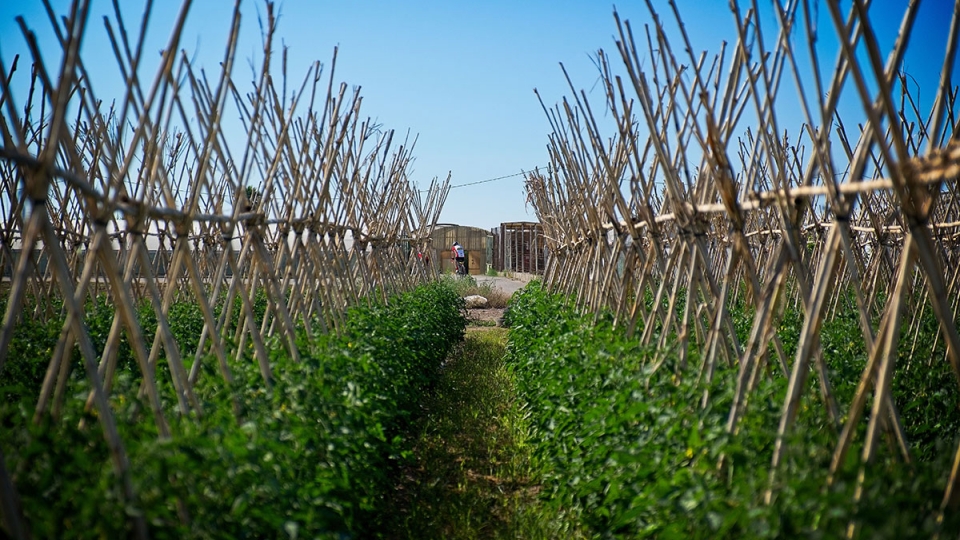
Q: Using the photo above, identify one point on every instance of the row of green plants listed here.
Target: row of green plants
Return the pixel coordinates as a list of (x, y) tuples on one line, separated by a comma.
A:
[(312, 457), (622, 440), (36, 333)]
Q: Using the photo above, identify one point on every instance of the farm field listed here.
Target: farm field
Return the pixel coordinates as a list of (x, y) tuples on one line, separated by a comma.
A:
[(310, 455), (225, 312), (574, 432), (621, 440)]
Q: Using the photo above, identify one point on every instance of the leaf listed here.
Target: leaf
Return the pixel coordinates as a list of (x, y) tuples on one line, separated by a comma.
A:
[(693, 440)]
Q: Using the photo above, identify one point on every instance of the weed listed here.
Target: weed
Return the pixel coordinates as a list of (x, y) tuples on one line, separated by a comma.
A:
[(467, 285)]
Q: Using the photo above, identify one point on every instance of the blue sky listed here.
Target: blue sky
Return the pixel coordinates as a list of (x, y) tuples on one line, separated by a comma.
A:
[(458, 74)]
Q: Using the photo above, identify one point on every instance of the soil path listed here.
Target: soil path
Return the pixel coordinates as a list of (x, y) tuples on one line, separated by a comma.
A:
[(507, 285), (485, 317), (467, 475)]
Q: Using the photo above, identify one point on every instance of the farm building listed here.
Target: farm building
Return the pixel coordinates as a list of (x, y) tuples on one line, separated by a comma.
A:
[(477, 244)]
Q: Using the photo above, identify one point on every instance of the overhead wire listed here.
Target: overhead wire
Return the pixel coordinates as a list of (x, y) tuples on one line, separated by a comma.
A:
[(494, 179)]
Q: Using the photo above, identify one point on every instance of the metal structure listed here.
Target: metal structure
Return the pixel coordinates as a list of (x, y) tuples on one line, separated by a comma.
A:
[(685, 201), (519, 247), (153, 199)]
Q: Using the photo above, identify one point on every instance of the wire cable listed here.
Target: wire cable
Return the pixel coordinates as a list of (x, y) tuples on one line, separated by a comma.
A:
[(494, 179)]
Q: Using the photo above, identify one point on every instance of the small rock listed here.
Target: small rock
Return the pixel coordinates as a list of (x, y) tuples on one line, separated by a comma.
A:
[(475, 301)]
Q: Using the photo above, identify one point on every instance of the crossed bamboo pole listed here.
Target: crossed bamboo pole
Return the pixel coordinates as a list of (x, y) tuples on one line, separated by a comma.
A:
[(700, 199), (154, 200)]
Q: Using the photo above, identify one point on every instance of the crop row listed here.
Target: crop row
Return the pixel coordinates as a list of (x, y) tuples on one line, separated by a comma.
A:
[(623, 440), (311, 457)]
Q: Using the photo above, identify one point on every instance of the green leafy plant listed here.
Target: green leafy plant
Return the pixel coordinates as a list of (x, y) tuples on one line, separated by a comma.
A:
[(311, 456), (630, 448)]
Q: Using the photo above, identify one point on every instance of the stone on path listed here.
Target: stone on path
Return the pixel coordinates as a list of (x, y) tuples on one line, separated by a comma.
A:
[(475, 301)]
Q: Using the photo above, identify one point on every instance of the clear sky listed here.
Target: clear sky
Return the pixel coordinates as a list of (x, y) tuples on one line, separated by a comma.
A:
[(459, 74)]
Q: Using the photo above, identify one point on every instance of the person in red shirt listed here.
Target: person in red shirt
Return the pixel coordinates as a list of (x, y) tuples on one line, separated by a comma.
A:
[(457, 256)]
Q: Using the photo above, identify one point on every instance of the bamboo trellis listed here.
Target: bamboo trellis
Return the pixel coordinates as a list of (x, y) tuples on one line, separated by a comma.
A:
[(155, 199), (687, 201)]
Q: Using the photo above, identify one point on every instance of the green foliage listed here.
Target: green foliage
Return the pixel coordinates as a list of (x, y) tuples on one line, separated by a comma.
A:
[(630, 448), (31, 348), (310, 457), (34, 338), (462, 285)]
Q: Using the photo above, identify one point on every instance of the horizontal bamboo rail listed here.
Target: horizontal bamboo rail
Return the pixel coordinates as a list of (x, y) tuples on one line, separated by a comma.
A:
[(694, 195)]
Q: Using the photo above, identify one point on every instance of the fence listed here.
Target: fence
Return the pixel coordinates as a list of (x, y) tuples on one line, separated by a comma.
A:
[(308, 204), (764, 216)]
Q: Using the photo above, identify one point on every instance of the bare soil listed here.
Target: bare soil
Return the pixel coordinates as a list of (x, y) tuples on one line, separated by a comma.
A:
[(484, 316)]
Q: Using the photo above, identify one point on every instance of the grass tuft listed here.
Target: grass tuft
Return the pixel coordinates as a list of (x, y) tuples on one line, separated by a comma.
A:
[(467, 285)]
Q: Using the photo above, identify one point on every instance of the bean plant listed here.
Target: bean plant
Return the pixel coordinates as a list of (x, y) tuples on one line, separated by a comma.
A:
[(311, 457), (625, 440)]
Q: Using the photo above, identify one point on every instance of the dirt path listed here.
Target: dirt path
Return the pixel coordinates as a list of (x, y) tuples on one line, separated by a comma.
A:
[(468, 476), (487, 317), (484, 318), (507, 285)]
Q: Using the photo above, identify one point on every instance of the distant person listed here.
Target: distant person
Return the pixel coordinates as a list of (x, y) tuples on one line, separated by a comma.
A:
[(424, 258), (457, 256)]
